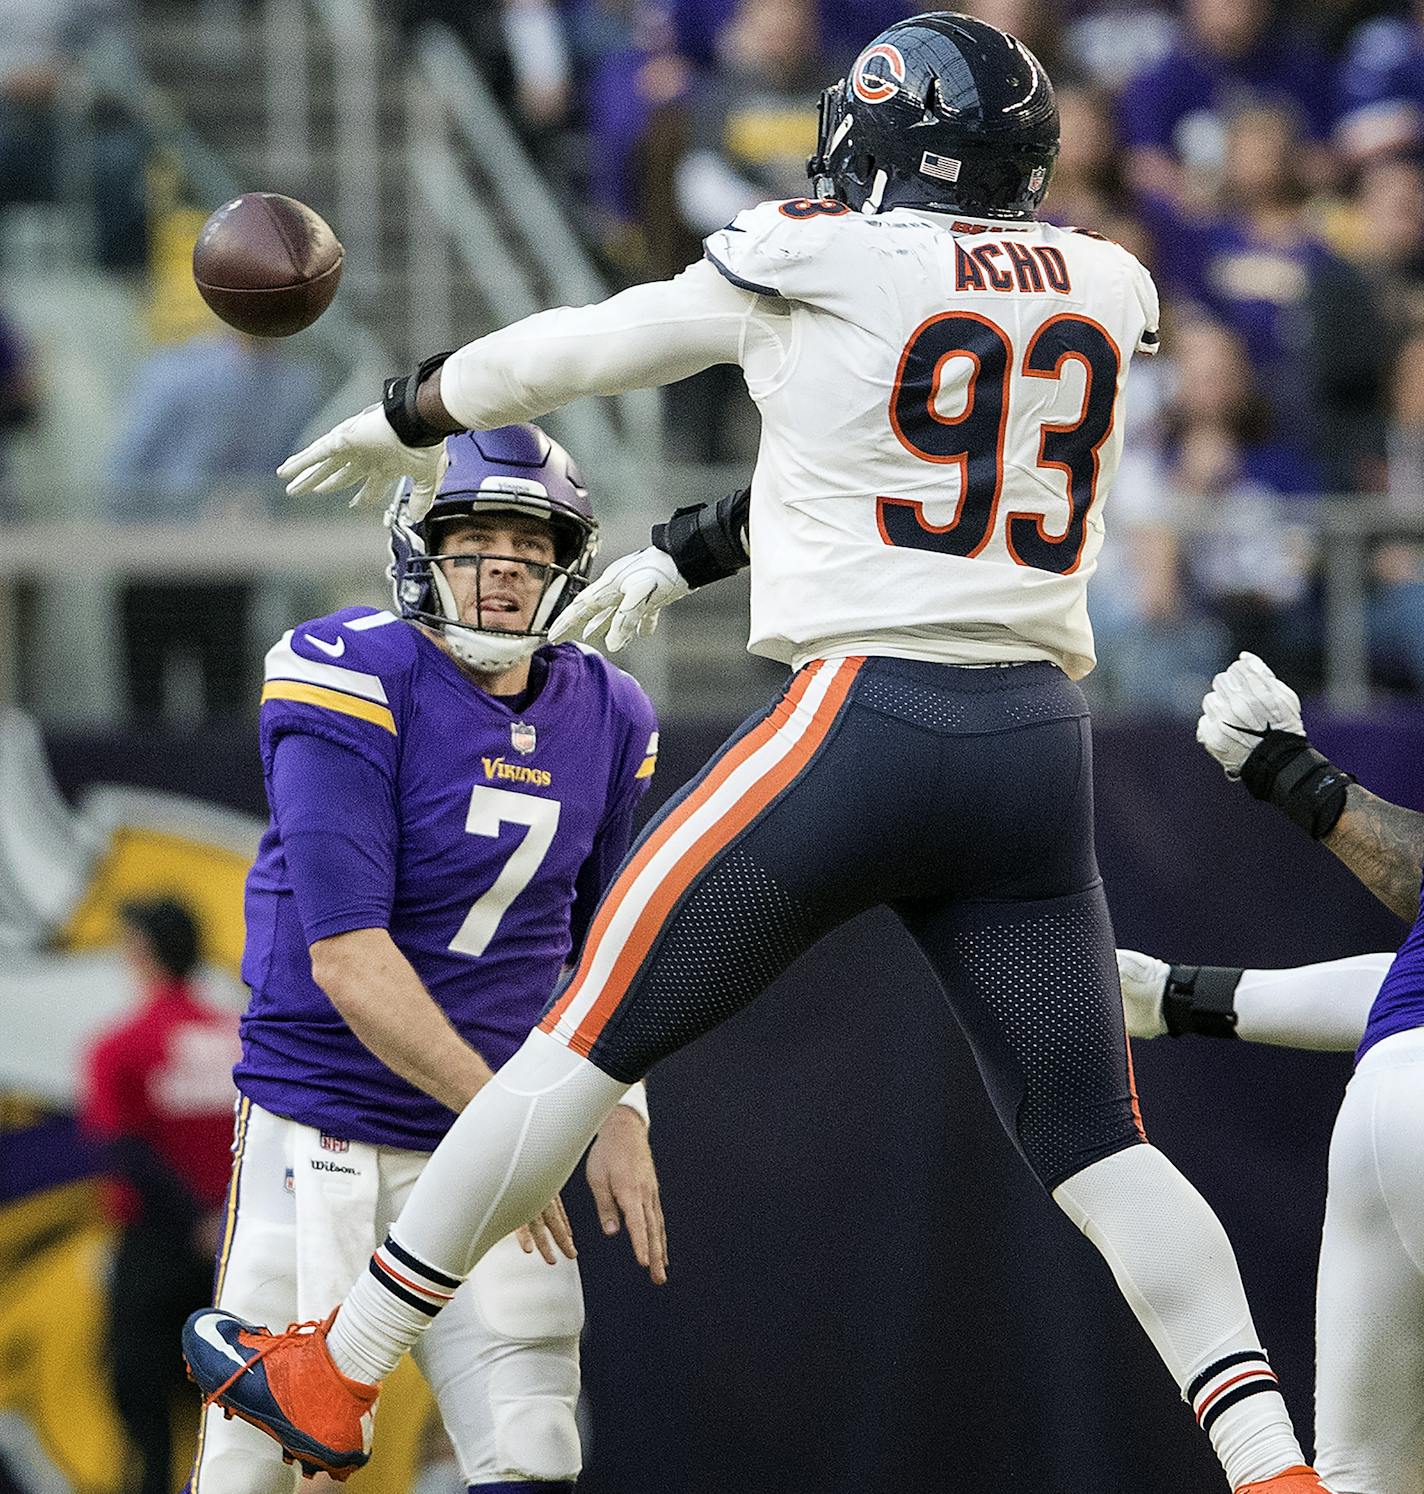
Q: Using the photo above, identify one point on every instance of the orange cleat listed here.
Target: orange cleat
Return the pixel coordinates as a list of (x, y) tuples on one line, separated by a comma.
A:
[(285, 1384), (1297, 1480)]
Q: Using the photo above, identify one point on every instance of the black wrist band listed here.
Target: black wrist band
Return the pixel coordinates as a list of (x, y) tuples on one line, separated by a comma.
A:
[(1201, 999), (705, 539), (398, 400), (1286, 770)]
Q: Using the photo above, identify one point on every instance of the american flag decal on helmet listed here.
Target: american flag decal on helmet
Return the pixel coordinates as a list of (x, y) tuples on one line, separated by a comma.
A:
[(946, 168)]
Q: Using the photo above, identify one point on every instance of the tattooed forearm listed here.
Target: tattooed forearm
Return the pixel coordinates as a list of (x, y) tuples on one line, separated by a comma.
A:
[(1383, 845)]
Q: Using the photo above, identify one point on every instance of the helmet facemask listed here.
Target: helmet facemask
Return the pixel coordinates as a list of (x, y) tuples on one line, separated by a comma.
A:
[(423, 592)]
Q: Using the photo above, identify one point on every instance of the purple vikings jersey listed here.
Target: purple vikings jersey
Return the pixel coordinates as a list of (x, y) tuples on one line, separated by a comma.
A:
[(481, 832), (1399, 1006)]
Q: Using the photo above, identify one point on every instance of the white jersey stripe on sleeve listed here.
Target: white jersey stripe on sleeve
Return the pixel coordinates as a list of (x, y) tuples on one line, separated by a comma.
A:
[(285, 663)]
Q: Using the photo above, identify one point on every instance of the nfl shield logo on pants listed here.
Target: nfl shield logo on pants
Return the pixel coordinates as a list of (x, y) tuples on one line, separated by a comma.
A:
[(522, 736), (330, 1143)]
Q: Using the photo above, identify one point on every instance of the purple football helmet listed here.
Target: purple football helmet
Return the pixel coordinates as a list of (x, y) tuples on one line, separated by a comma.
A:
[(513, 467)]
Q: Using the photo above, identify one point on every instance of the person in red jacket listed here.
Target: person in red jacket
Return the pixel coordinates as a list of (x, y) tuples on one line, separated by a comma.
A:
[(158, 1095)]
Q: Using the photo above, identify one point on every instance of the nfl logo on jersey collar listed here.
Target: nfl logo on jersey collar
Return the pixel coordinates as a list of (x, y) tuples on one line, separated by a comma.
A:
[(522, 736)]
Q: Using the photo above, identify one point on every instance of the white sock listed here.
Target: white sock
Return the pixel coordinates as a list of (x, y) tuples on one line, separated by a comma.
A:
[(393, 1303), (1175, 1266), (509, 1152)]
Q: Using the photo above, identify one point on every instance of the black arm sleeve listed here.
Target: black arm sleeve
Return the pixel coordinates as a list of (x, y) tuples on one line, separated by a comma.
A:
[(708, 541)]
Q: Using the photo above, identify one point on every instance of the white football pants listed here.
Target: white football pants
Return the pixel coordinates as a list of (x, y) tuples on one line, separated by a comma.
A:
[(1369, 1325), (305, 1212)]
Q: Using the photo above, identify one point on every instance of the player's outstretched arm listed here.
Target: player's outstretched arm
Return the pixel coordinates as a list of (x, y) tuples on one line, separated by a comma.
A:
[(698, 545), (646, 336), (1251, 724), (1320, 1007)]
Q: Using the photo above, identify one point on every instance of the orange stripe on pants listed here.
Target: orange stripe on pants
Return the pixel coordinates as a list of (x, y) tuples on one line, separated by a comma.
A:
[(1132, 1089), (704, 850), (663, 832), (714, 839)]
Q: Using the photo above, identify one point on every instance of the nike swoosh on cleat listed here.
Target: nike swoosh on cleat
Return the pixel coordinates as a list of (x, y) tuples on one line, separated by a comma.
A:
[(334, 650), (205, 1331)]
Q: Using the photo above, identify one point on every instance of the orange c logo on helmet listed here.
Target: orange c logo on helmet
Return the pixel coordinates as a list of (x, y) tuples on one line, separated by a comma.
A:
[(875, 87)]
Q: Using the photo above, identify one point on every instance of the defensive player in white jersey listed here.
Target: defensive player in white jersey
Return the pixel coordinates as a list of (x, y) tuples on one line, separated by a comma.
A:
[(939, 378), (1369, 1321)]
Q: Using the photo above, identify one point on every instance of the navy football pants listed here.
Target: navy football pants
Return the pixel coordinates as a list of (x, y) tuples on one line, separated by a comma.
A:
[(960, 797)]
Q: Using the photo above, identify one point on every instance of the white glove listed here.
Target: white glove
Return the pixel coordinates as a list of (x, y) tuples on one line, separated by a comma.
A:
[(624, 601), (1244, 700), (1144, 985), (364, 449)]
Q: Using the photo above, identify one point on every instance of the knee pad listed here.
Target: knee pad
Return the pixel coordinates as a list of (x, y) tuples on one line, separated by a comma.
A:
[(537, 1436), (524, 1299)]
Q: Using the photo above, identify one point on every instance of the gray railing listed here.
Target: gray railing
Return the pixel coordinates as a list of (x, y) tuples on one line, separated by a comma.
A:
[(349, 29), (331, 548), (508, 234)]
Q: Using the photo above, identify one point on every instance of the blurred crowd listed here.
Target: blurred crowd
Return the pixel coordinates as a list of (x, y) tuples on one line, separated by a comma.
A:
[(1266, 161)]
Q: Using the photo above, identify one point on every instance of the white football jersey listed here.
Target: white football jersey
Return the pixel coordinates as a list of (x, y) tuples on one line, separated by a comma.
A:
[(939, 430)]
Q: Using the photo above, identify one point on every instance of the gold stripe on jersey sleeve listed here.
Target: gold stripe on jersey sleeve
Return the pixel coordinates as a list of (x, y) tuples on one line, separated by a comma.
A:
[(331, 700), (649, 763)]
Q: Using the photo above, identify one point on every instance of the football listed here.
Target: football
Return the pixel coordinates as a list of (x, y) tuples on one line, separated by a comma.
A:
[(267, 264)]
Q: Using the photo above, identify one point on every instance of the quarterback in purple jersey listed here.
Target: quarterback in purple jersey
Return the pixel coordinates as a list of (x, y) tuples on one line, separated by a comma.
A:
[(1369, 1325), (450, 795)]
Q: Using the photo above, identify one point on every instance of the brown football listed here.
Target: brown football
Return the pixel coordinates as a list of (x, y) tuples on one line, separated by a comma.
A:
[(267, 264)]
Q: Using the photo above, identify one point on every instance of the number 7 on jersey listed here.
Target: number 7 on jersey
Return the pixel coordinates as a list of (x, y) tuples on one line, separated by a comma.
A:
[(490, 810)]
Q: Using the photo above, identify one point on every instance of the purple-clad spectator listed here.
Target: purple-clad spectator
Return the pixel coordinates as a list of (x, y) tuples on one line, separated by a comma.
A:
[(1382, 87), (1229, 57), (1087, 188), (634, 73), (1258, 265), (846, 25), (754, 119)]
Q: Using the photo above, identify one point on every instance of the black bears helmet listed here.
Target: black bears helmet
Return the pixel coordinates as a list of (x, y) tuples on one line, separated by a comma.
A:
[(940, 111)]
